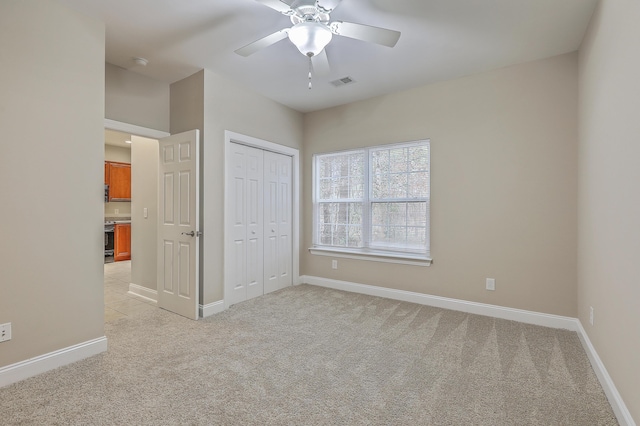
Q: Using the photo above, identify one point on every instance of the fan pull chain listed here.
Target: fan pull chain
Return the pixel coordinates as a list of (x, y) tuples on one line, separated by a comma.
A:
[(310, 68)]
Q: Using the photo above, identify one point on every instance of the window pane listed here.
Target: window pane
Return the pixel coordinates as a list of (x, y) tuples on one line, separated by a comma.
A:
[(339, 235), (325, 235), (419, 158), (380, 162), (342, 188), (379, 214), (398, 186), (341, 176), (356, 187), (325, 189), (417, 214), (389, 214), (416, 237), (355, 214), (355, 236), (398, 160), (397, 226), (418, 184), (333, 166), (340, 224), (389, 186), (391, 237), (356, 164), (379, 185)]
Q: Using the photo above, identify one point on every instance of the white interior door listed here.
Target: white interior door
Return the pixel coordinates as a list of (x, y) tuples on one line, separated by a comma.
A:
[(245, 247), (277, 220), (258, 242), (178, 224)]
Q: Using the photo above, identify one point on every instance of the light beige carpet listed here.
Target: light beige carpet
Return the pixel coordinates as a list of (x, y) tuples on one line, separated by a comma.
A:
[(313, 356)]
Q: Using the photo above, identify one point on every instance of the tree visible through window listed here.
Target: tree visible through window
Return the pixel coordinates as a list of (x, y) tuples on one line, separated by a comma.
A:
[(373, 199)]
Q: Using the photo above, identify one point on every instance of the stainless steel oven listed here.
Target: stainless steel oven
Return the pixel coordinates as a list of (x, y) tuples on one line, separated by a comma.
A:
[(109, 229)]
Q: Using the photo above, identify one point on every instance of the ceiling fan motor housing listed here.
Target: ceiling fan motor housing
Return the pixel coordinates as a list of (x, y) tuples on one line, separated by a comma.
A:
[(307, 11)]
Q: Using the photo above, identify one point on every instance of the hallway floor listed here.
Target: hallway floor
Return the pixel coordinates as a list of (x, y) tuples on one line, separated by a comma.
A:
[(117, 302)]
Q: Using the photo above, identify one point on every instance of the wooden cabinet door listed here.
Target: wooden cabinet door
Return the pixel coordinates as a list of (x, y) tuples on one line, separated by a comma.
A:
[(122, 243), (119, 181), (106, 173)]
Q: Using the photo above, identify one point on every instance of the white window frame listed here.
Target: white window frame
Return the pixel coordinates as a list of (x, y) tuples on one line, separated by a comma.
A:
[(366, 252)]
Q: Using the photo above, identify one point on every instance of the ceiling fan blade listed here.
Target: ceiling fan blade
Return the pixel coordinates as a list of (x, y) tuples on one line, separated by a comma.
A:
[(320, 64), (365, 33), (267, 41), (328, 5), (278, 5)]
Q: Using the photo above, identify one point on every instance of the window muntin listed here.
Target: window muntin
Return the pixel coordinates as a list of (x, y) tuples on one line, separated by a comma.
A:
[(374, 200)]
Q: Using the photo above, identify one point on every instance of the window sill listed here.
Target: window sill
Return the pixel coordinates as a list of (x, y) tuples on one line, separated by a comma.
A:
[(403, 259)]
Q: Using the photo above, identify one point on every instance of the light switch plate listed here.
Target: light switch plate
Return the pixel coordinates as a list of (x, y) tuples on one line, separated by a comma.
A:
[(491, 284)]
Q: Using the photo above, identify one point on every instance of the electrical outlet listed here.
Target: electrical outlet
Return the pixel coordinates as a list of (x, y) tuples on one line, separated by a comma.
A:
[(116, 211), (5, 332), (591, 315), (491, 284), (334, 264)]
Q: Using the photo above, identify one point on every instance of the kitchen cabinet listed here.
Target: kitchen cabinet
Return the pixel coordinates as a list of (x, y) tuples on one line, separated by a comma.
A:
[(118, 177), (122, 242)]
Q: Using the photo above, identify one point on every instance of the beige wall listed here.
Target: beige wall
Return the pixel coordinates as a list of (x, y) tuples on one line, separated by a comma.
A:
[(144, 194), (187, 104), (225, 106), (51, 167), (504, 170), (121, 155), (135, 99), (117, 153), (609, 199)]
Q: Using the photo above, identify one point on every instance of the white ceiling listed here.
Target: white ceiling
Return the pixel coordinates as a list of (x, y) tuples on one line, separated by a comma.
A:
[(441, 39), (115, 138)]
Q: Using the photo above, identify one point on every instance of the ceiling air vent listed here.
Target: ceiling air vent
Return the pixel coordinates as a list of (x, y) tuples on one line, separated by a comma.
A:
[(343, 81)]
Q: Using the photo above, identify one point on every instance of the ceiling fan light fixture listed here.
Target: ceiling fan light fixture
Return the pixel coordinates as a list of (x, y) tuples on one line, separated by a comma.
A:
[(310, 37)]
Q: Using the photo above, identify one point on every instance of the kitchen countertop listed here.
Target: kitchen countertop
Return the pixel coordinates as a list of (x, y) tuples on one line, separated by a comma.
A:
[(117, 219)]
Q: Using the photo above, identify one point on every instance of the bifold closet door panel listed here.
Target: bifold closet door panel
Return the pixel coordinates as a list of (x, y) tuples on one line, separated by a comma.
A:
[(277, 221), (247, 246)]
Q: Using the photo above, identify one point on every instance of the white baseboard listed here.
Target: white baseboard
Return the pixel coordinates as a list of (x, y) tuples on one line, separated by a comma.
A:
[(40, 364), (144, 293), (211, 309), (528, 317), (617, 404), (520, 315)]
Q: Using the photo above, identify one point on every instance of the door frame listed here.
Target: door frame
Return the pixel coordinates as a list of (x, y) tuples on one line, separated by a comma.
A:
[(232, 137), (145, 132)]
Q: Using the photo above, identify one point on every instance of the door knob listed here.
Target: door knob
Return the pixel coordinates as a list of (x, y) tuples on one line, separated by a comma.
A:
[(191, 234)]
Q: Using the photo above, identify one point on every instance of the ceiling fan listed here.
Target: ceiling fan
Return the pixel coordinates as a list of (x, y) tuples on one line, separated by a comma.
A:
[(312, 31)]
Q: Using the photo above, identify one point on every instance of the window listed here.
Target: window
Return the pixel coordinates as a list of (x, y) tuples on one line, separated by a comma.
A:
[(373, 200)]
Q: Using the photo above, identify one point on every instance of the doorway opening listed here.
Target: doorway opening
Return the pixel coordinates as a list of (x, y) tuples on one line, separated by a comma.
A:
[(130, 285)]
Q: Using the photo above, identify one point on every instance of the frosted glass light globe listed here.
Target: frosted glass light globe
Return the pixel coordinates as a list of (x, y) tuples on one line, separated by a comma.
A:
[(310, 37)]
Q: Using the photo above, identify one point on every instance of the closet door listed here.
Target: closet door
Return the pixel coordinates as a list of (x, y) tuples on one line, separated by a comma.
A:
[(245, 188), (277, 221)]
